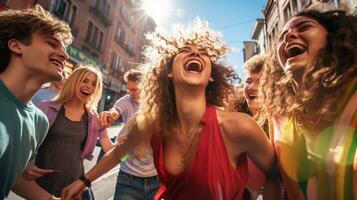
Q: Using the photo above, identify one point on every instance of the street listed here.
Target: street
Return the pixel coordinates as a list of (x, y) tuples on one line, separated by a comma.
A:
[(104, 186)]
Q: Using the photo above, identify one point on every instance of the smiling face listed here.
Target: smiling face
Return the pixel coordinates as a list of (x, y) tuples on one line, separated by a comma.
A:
[(133, 90), (250, 89), (86, 88), (301, 40), (192, 66), (45, 57)]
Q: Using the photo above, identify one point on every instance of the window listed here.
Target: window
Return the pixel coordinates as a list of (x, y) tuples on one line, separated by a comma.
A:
[(116, 61), (118, 32), (64, 9), (94, 36), (72, 16), (287, 12), (100, 41), (89, 31), (60, 8)]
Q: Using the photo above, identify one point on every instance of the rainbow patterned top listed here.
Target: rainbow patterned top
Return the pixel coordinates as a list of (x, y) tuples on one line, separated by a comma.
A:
[(319, 164)]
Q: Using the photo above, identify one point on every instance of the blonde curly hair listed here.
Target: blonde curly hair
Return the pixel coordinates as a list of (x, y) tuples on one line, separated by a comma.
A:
[(324, 81), (157, 102)]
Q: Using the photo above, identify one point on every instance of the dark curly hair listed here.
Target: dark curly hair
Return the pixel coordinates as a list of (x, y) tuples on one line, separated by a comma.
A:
[(157, 102), (324, 80)]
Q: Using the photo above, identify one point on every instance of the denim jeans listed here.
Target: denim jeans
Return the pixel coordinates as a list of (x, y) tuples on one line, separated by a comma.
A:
[(131, 187), (88, 194)]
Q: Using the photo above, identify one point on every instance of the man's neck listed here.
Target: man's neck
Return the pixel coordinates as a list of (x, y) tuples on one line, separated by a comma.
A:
[(20, 83)]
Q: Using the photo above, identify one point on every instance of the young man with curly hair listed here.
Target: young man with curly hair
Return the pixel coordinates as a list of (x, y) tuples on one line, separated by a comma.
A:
[(31, 53)]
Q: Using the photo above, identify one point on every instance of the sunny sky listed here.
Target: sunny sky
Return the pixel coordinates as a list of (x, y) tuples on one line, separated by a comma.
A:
[(233, 18)]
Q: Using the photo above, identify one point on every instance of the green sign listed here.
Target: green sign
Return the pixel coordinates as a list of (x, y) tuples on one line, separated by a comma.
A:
[(82, 58)]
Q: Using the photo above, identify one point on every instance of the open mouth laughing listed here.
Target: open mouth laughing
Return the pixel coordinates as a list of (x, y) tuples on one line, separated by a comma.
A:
[(294, 50), (193, 66)]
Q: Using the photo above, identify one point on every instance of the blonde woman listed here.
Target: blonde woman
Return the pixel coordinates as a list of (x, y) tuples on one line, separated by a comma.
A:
[(73, 132)]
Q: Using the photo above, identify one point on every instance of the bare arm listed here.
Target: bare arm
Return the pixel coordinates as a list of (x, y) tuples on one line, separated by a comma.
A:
[(29, 189), (106, 144), (247, 136)]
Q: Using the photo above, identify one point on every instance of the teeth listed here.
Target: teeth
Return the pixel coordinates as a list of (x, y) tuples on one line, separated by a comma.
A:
[(187, 66), (295, 46), (56, 63)]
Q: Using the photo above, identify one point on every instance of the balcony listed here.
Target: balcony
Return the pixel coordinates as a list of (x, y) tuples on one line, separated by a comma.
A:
[(102, 15)]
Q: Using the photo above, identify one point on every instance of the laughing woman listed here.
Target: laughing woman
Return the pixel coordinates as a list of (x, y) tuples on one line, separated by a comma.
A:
[(73, 132), (312, 99)]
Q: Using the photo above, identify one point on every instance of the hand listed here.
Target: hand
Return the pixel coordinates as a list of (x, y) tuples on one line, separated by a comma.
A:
[(73, 191), (33, 172), (106, 118)]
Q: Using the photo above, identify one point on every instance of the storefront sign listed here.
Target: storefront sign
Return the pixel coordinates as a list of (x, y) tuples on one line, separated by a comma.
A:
[(82, 58)]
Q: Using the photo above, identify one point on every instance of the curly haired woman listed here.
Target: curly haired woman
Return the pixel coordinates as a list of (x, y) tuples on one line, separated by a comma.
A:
[(311, 98), (199, 151)]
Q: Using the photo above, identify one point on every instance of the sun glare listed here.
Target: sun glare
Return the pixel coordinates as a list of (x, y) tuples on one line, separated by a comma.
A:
[(159, 10)]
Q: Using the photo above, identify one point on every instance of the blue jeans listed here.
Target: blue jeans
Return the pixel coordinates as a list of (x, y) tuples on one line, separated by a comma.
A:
[(131, 187), (88, 194)]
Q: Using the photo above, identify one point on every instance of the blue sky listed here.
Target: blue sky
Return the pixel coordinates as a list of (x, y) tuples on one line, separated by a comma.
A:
[(233, 18)]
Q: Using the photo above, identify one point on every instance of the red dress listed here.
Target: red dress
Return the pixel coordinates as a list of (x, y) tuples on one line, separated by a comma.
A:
[(210, 174)]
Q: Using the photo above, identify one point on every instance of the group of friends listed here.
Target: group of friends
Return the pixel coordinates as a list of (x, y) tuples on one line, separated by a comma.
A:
[(289, 133)]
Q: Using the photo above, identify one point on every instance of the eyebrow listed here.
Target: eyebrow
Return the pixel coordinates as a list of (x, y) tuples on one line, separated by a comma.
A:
[(297, 25)]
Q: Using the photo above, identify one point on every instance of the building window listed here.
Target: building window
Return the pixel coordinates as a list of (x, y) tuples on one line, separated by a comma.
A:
[(116, 61), (287, 12), (94, 36), (89, 31), (72, 16), (60, 8), (100, 41), (118, 32)]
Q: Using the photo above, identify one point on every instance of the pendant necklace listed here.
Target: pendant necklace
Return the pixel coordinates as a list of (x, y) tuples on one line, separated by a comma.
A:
[(195, 134)]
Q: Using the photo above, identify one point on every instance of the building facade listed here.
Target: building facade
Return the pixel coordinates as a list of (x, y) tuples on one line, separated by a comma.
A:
[(108, 34), (277, 12)]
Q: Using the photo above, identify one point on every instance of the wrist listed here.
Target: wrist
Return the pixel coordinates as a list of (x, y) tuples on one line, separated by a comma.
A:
[(86, 181)]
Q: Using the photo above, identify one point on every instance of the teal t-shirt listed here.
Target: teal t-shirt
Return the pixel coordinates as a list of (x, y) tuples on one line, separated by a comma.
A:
[(22, 129)]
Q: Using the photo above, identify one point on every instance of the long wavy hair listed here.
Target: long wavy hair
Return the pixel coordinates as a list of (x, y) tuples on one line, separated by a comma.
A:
[(324, 80), (157, 102), (71, 84)]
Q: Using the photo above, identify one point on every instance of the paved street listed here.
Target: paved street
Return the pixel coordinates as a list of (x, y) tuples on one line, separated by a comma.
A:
[(104, 186)]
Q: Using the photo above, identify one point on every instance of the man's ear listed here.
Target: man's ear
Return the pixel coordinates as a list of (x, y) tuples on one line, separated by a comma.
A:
[(15, 46)]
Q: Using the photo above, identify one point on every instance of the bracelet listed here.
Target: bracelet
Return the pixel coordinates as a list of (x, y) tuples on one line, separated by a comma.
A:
[(86, 181)]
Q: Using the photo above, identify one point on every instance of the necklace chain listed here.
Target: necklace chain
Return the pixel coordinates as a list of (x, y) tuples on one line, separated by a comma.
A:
[(194, 133)]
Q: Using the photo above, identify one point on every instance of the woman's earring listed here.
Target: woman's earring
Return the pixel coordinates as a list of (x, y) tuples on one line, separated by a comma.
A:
[(211, 79), (169, 75)]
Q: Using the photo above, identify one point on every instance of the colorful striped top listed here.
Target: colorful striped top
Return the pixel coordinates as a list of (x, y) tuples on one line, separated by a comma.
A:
[(319, 163)]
